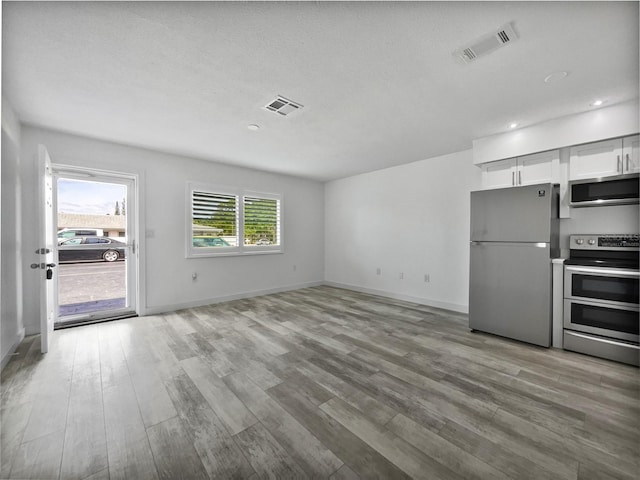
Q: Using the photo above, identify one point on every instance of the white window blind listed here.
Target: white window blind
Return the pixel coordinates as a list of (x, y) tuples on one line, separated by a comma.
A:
[(261, 221), (232, 221), (214, 215)]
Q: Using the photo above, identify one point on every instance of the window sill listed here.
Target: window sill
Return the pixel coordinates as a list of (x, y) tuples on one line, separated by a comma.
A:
[(237, 253)]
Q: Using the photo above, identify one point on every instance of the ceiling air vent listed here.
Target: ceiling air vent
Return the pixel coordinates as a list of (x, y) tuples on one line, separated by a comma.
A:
[(486, 44), (283, 106)]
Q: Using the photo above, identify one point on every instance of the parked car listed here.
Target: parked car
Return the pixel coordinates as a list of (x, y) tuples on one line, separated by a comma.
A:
[(90, 249), (263, 241), (205, 241), (66, 233)]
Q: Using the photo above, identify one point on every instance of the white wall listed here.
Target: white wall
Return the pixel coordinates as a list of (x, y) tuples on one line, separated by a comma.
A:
[(166, 272), (411, 219), (11, 321)]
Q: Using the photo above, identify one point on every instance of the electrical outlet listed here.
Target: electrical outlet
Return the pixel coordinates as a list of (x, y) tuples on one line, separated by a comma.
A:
[(295, 268), (378, 271), (401, 275), (427, 278)]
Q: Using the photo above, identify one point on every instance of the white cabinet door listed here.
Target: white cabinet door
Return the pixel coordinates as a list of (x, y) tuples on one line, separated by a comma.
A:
[(631, 154), (499, 174), (538, 168), (594, 160)]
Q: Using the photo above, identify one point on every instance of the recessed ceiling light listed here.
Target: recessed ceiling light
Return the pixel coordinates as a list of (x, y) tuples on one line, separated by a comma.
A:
[(596, 103), (513, 125), (253, 127), (556, 76)]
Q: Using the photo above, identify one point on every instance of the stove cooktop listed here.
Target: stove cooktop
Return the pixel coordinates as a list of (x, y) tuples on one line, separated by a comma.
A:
[(607, 250)]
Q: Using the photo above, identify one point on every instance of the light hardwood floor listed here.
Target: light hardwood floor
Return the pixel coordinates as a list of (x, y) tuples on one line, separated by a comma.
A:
[(314, 383)]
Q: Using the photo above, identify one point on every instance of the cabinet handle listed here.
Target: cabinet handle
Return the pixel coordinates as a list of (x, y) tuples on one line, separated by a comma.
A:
[(627, 162), (619, 165), (513, 178), (520, 177)]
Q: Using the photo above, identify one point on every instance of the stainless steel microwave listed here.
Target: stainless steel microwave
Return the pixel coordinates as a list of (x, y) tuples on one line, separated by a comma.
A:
[(596, 192)]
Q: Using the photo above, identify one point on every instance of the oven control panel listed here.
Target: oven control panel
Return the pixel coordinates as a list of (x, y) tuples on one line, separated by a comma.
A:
[(604, 242)]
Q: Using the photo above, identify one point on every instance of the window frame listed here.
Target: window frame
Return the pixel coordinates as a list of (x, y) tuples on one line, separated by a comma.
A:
[(240, 249)]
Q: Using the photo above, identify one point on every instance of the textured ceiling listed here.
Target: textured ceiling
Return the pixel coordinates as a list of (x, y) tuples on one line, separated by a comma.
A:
[(378, 81)]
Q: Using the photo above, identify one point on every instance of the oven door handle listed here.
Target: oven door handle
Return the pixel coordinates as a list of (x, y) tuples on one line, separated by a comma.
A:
[(602, 340), (604, 271)]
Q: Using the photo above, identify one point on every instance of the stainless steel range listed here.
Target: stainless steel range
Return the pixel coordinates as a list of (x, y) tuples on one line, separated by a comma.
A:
[(601, 286)]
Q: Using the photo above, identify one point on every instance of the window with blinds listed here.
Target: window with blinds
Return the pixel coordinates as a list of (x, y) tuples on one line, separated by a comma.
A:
[(261, 221), (214, 219), (232, 221)]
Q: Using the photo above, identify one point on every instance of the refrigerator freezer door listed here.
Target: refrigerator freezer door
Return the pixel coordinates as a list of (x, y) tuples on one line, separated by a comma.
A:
[(523, 214), (510, 291)]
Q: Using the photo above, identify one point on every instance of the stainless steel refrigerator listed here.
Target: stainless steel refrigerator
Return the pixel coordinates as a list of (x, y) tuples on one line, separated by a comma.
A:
[(514, 236)]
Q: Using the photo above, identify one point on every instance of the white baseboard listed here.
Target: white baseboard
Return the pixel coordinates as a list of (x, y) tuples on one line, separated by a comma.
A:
[(454, 307), (7, 356), (154, 310)]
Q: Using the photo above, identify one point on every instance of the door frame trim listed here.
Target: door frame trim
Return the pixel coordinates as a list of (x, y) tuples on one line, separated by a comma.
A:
[(133, 222)]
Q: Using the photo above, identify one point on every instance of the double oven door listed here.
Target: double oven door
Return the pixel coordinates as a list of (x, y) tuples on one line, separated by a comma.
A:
[(602, 301)]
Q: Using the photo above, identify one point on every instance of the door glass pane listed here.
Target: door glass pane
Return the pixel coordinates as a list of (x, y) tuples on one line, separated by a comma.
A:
[(92, 248)]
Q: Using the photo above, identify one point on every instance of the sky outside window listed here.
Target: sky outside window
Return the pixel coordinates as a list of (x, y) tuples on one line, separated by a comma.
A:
[(88, 197)]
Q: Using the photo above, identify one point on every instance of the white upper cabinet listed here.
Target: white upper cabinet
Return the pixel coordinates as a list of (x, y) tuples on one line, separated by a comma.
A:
[(631, 154), (539, 168), (528, 170), (500, 174), (595, 160)]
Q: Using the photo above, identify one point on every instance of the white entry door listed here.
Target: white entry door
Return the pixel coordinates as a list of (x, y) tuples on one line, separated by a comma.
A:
[(46, 252), (96, 213)]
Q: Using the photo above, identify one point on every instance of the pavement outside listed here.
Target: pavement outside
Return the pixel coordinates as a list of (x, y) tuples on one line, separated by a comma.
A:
[(91, 287)]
